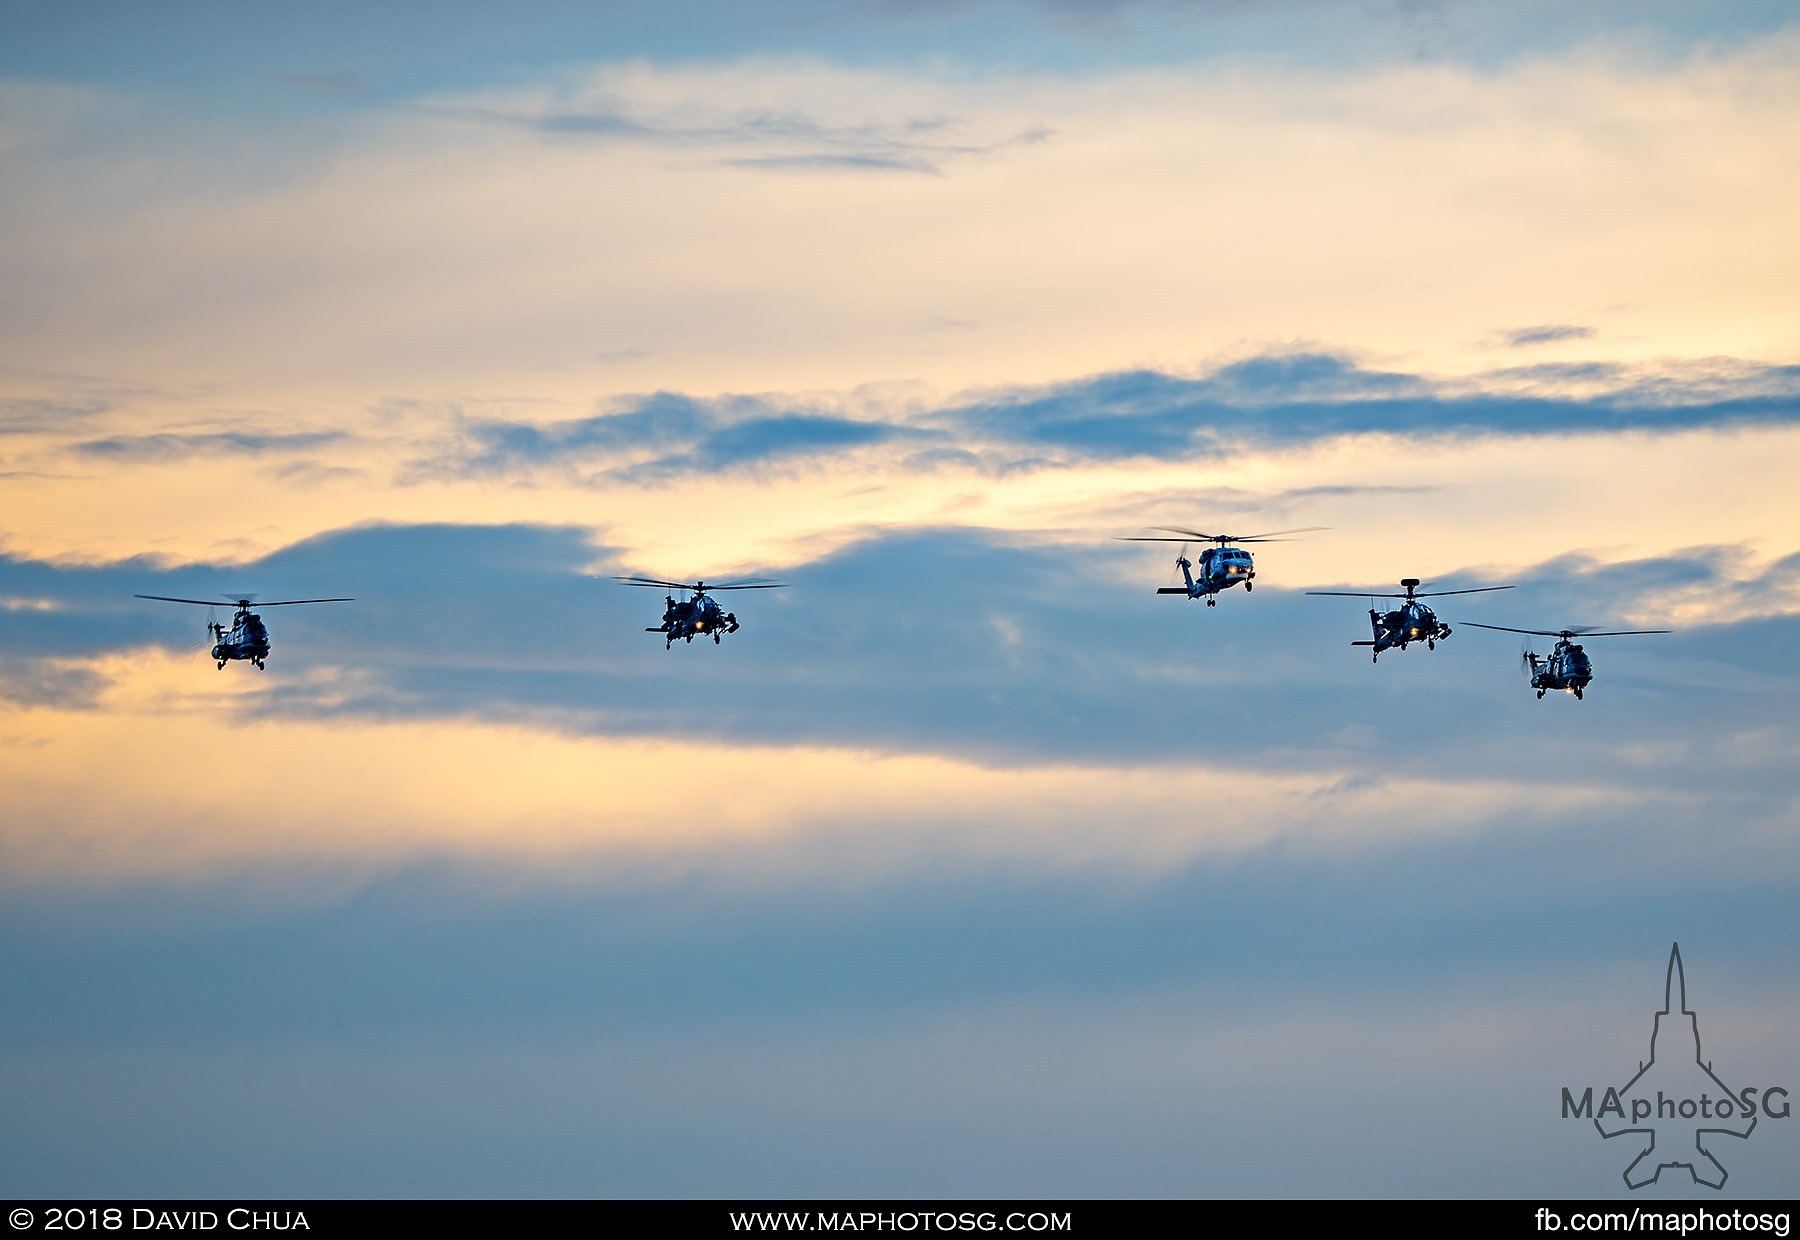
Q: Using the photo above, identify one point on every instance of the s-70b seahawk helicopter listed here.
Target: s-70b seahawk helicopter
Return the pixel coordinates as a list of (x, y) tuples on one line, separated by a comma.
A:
[(1567, 667), (1412, 621), (1221, 565), (247, 638), (697, 616)]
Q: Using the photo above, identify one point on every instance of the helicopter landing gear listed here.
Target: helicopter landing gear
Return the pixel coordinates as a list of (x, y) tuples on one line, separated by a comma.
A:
[(1248, 586), (1577, 692), (221, 665), (715, 639), (1211, 601), (1540, 695), (1431, 643)]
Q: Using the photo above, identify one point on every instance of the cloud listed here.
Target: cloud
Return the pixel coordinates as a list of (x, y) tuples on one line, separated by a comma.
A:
[(176, 447), (665, 435), (1296, 398), (1551, 333), (783, 137), (1256, 403), (449, 246), (38, 415)]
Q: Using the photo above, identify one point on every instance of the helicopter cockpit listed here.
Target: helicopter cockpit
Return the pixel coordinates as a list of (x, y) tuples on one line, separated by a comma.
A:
[(1234, 561)]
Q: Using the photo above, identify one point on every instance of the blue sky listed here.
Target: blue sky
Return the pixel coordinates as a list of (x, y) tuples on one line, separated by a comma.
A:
[(970, 866)]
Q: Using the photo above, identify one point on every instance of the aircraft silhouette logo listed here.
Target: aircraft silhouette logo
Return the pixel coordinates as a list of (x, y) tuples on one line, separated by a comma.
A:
[(1690, 1107)]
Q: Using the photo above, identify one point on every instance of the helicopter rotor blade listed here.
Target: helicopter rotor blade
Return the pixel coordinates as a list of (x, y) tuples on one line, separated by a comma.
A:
[(239, 601), (1443, 593), (744, 584), (749, 583), (1274, 535), (289, 602), (201, 602), (1187, 535), (1585, 631)]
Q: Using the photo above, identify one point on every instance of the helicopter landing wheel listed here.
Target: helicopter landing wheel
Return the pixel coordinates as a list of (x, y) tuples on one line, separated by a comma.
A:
[(1373, 657), (1212, 602), (1248, 586), (1430, 644), (221, 665), (1540, 695), (1578, 695), (715, 639)]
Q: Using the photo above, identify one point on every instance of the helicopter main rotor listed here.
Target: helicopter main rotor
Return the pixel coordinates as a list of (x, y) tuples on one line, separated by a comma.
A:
[(701, 587), (242, 604), (1222, 539), (1411, 585), (1565, 634)]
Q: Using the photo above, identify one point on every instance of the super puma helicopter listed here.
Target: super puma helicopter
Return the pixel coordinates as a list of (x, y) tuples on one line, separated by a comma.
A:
[(248, 637), (1221, 565), (1567, 667)]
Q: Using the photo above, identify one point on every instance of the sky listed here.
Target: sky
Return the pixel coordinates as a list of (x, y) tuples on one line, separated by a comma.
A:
[(970, 866)]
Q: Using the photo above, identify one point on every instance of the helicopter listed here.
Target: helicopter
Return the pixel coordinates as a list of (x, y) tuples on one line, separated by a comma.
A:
[(699, 615), (1412, 621), (247, 638), (1567, 667), (1221, 565)]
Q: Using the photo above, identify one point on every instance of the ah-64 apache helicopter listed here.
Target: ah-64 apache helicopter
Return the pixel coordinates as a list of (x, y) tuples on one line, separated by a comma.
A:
[(1567, 667), (1221, 565), (1411, 622), (247, 638), (697, 616)]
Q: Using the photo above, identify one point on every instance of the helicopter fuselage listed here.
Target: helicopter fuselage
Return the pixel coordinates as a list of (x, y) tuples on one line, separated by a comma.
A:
[(1411, 622), (1567, 668), (247, 638), (693, 617), (1220, 569)]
